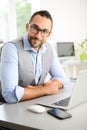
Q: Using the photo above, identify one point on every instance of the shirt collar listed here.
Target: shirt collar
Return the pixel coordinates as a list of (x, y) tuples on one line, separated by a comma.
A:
[(27, 45)]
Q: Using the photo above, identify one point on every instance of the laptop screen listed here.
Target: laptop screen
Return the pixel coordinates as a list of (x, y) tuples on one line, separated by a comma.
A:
[(65, 49)]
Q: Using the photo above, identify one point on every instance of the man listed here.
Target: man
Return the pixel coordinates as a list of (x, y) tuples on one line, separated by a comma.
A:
[(26, 61)]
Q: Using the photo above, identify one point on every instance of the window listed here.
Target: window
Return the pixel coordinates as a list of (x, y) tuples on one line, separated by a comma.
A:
[(3, 20), (23, 13), (14, 14)]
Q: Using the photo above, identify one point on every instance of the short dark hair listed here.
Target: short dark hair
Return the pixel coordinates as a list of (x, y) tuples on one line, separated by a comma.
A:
[(43, 13)]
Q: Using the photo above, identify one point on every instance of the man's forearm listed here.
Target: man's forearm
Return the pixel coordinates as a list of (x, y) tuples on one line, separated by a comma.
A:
[(31, 92), (50, 87)]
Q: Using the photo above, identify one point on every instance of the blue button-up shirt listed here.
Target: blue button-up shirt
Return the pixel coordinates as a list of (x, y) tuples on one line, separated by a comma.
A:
[(11, 91)]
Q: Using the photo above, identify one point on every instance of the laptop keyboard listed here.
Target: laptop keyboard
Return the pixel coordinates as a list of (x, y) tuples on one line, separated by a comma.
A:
[(63, 102)]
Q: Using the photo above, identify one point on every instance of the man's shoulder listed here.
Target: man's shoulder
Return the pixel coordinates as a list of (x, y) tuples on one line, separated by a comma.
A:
[(11, 44), (48, 45), (16, 40)]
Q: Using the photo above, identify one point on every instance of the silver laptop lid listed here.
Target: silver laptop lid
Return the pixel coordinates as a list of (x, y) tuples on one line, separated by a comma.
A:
[(79, 94)]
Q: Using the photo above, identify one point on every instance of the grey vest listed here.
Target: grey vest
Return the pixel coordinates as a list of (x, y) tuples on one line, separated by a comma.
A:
[(26, 70)]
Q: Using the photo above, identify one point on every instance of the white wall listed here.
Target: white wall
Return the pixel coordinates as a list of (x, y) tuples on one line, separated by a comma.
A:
[(69, 19)]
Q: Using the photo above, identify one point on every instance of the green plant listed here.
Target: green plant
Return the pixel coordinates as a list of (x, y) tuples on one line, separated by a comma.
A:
[(82, 50)]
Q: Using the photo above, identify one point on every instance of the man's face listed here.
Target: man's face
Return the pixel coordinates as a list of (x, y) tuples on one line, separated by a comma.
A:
[(38, 31)]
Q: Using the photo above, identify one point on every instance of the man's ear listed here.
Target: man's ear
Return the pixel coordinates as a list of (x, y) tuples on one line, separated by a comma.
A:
[(27, 27), (50, 34)]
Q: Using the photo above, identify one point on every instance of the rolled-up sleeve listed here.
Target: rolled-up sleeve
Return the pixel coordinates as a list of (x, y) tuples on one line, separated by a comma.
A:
[(11, 92)]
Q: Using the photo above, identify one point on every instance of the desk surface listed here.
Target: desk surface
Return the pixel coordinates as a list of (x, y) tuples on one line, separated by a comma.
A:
[(19, 115), (74, 62)]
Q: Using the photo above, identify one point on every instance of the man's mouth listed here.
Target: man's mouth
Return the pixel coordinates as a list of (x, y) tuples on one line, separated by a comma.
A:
[(35, 40)]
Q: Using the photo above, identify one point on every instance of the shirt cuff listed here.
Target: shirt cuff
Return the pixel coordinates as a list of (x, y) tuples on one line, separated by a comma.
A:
[(19, 92)]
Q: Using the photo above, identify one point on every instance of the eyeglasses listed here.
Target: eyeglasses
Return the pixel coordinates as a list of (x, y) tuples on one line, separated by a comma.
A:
[(35, 29)]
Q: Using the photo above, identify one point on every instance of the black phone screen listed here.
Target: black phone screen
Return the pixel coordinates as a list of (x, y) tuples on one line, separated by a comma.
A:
[(59, 113)]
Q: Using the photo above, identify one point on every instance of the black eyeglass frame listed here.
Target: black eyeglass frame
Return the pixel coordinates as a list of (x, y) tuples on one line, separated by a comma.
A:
[(35, 29)]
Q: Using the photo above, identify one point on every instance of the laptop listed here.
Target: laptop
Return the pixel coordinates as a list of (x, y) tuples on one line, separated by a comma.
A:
[(65, 50), (70, 96)]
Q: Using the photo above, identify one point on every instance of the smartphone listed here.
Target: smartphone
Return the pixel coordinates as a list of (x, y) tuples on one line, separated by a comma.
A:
[(60, 114)]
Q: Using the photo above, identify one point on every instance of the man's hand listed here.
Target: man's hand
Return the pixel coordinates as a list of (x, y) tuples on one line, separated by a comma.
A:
[(52, 86)]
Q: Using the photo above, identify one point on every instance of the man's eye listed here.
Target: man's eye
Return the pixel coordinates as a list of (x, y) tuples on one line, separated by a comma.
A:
[(45, 31), (36, 28)]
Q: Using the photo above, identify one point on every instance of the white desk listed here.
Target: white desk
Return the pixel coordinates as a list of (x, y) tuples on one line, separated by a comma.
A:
[(73, 66), (17, 116)]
